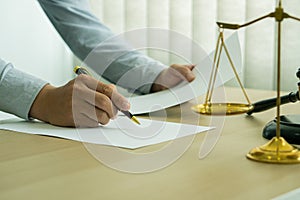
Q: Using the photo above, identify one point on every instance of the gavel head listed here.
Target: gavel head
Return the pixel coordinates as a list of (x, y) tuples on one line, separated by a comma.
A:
[(298, 73)]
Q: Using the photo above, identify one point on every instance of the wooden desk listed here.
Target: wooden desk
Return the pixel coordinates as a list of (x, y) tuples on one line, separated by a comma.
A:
[(38, 167)]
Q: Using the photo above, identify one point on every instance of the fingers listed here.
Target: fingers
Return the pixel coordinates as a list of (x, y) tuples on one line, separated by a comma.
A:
[(191, 67), (104, 103), (100, 99), (107, 89), (86, 121), (172, 76), (110, 91), (90, 116), (184, 72)]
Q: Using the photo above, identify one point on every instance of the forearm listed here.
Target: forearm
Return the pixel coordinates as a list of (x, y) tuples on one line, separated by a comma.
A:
[(18, 90), (99, 48)]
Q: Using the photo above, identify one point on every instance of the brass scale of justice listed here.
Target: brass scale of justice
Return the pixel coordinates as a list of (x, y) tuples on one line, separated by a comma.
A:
[(277, 150)]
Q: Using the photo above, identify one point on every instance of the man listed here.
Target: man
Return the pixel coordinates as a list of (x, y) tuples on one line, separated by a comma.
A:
[(30, 97)]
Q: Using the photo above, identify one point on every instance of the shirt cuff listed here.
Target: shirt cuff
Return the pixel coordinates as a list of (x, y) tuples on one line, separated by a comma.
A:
[(18, 91)]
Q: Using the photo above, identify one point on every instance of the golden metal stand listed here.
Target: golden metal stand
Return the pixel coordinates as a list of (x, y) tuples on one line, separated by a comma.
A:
[(209, 108), (222, 108), (277, 150)]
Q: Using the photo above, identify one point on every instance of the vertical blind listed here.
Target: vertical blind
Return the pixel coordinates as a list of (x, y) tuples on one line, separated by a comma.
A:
[(196, 19)]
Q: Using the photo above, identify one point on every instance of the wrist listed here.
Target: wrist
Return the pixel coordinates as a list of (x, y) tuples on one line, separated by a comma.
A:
[(156, 88), (157, 85), (40, 109)]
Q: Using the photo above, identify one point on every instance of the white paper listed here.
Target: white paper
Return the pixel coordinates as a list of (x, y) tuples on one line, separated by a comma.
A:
[(4, 116), (295, 194), (121, 132), (185, 92)]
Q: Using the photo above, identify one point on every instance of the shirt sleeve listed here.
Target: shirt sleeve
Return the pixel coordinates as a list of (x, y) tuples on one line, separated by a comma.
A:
[(94, 43), (18, 90)]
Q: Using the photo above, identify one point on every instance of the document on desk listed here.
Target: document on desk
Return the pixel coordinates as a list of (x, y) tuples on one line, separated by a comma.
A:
[(4, 116), (292, 195), (120, 132), (188, 91)]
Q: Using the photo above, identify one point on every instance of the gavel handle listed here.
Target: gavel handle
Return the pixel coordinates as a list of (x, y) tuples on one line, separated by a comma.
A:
[(271, 103)]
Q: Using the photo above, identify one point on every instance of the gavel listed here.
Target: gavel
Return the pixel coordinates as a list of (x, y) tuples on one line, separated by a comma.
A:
[(267, 104)]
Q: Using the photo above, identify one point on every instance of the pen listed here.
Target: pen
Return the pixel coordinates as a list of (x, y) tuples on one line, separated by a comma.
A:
[(80, 70)]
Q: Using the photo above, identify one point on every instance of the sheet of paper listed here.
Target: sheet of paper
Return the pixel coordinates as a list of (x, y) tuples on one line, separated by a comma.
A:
[(295, 194), (4, 116), (120, 132), (185, 92)]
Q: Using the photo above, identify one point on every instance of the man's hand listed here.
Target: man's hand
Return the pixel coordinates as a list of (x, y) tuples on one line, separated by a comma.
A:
[(172, 76), (83, 102)]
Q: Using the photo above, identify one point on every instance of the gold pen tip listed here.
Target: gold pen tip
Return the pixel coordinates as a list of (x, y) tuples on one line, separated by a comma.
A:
[(135, 120)]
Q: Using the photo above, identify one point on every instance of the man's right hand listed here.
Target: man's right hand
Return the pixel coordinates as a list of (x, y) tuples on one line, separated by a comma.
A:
[(83, 102)]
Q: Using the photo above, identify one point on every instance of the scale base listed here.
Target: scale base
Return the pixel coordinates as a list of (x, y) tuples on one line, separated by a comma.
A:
[(277, 150), (222, 108)]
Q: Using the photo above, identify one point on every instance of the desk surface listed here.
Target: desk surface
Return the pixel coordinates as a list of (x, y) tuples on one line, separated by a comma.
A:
[(39, 167)]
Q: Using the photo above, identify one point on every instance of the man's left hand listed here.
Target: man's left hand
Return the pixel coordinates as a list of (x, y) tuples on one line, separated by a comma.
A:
[(172, 76)]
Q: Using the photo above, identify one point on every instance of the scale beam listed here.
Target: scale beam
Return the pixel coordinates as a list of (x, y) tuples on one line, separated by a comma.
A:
[(279, 15)]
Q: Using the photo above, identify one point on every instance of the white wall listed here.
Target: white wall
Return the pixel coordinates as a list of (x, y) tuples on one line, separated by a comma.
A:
[(30, 42)]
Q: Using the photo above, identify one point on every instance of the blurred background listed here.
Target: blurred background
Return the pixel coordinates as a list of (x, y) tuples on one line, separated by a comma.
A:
[(30, 42)]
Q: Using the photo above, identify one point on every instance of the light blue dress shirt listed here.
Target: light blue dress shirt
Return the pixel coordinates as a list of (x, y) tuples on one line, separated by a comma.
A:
[(93, 43)]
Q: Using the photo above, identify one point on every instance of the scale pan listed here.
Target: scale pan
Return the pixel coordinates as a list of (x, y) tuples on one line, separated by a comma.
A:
[(222, 108)]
